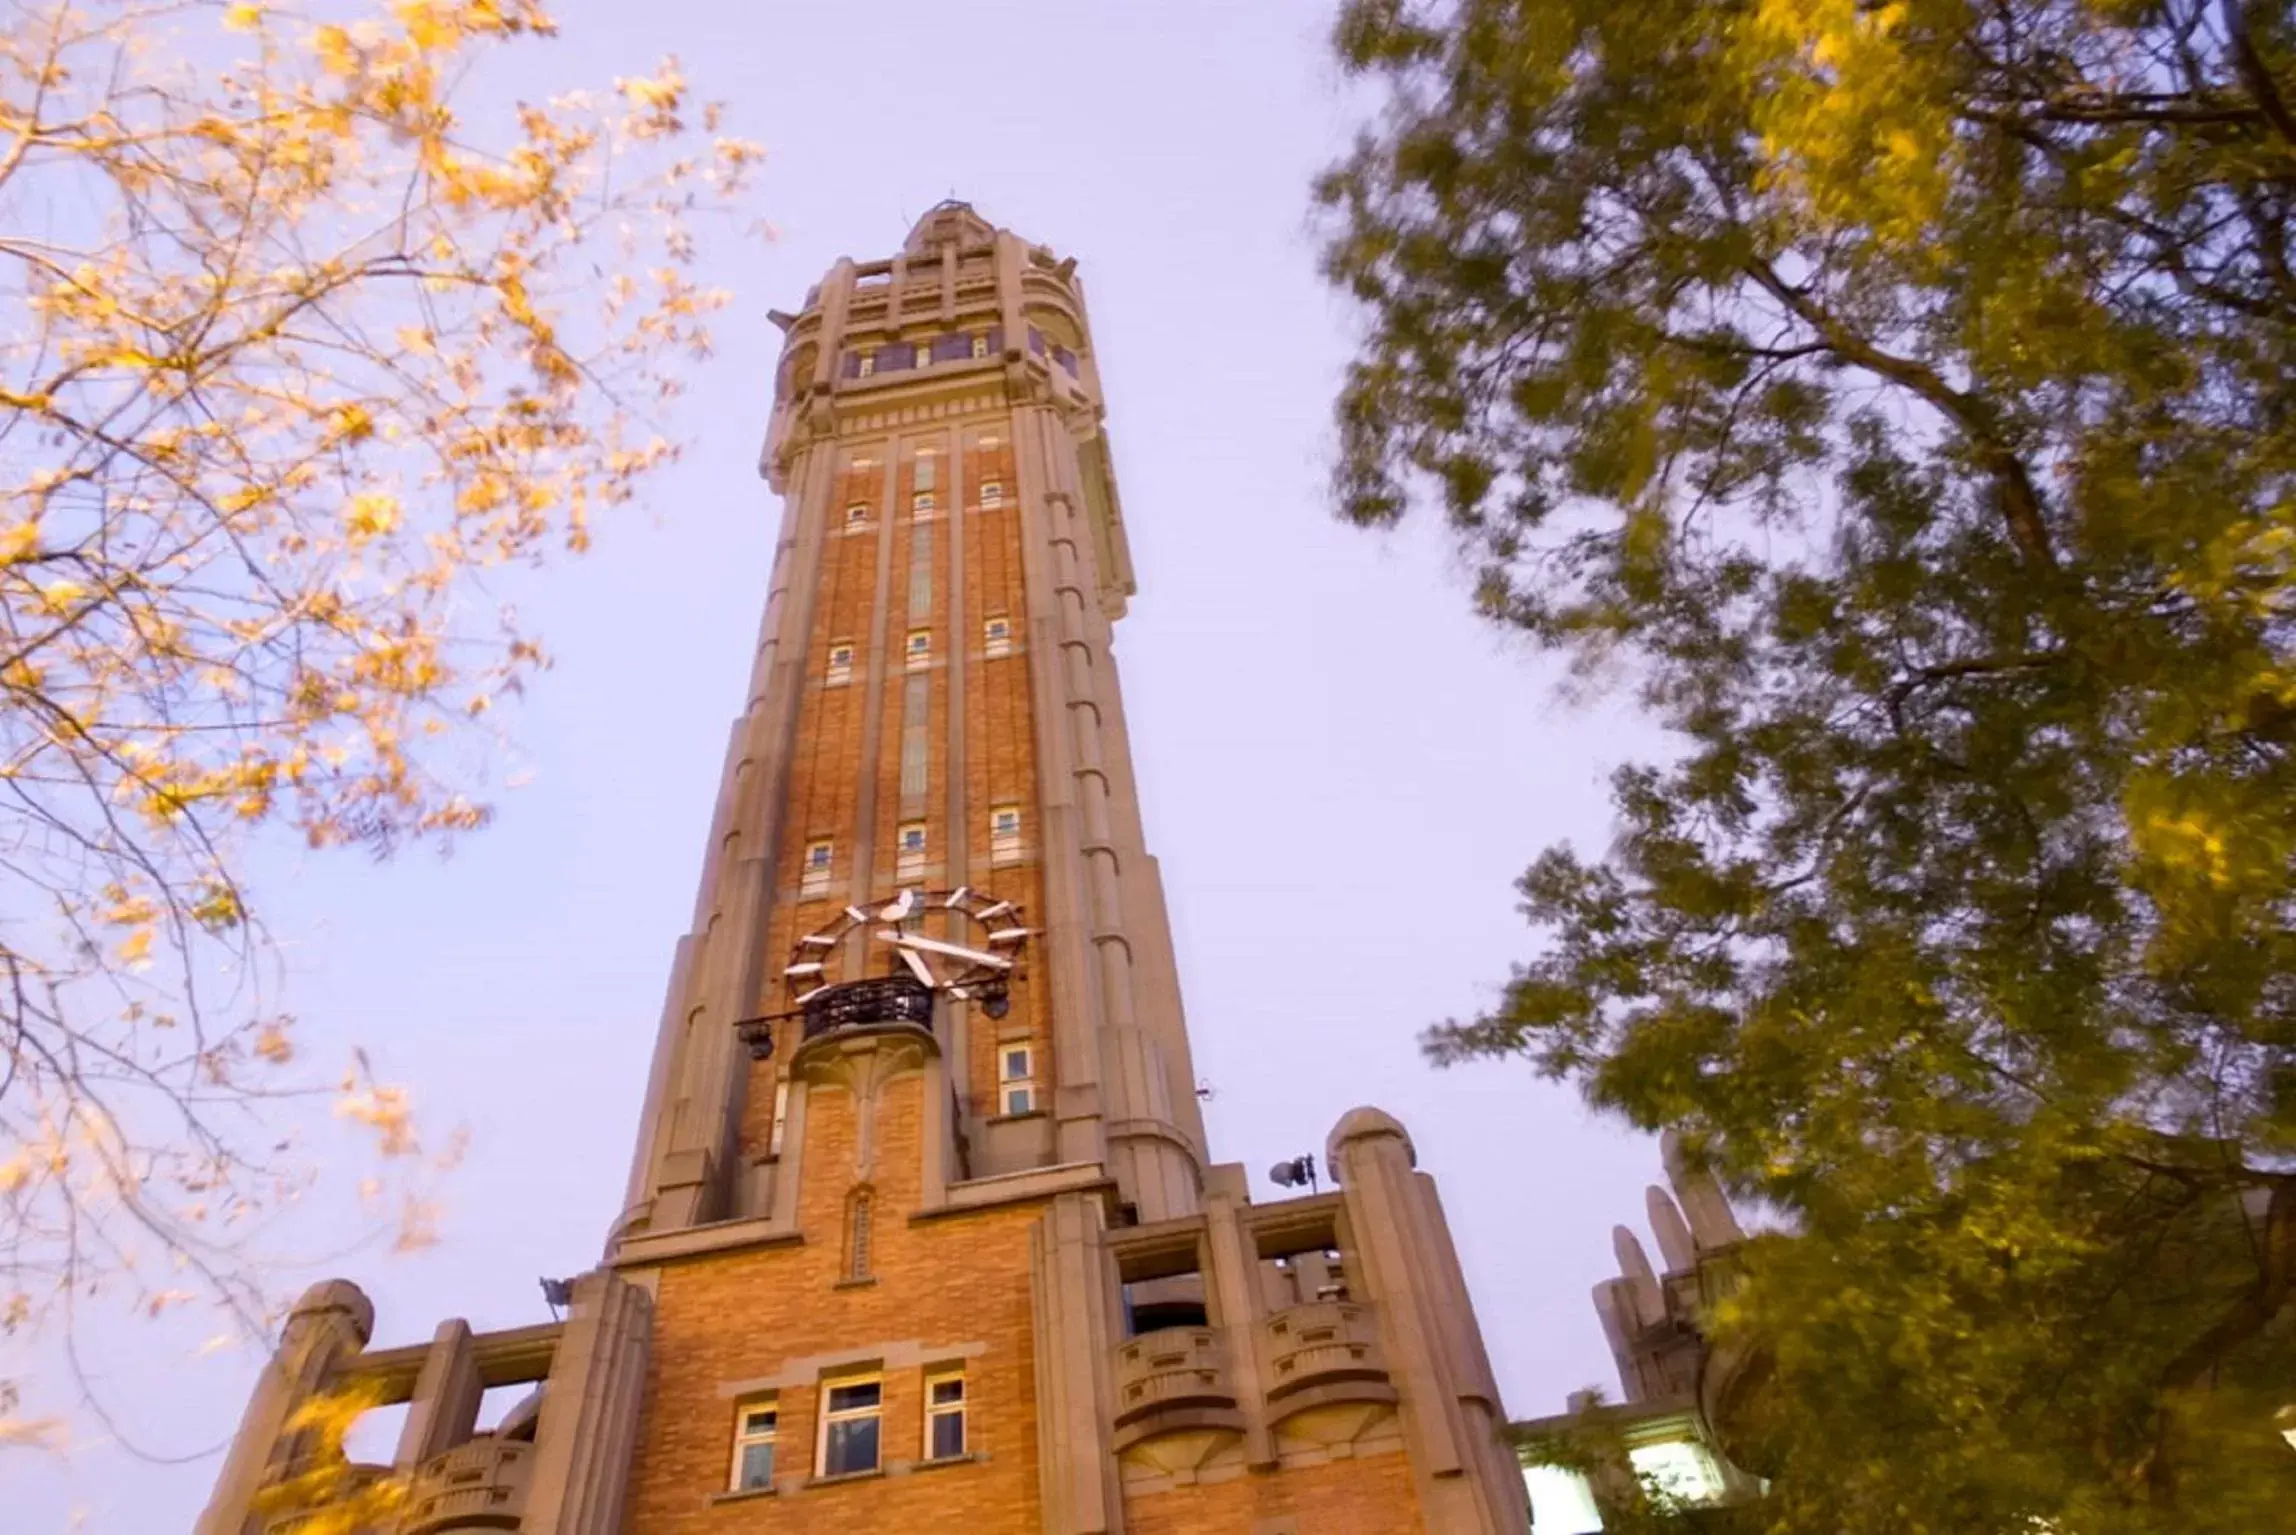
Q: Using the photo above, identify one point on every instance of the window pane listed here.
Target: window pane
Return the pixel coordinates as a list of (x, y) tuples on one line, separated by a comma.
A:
[(947, 1391), (848, 1398), (852, 1446), (756, 1465), (1019, 1101), (1015, 1064), (760, 1421), (948, 1435)]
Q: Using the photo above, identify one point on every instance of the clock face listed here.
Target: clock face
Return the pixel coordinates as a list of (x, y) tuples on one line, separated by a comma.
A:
[(964, 944)]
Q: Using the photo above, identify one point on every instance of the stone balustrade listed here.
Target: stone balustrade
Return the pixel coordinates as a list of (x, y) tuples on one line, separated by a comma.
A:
[(1170, 1369), (477, 1485), (1318, 1344)]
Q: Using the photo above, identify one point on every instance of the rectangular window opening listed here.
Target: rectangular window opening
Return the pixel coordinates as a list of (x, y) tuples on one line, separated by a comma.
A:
[(909, 850), (992, 493), (944, 1416), (840, 669), (756, 1425), (996, 638), (820, 859), (1016, 1078), (1004, 834), (919, 649), (857, 515), (850, 1414)]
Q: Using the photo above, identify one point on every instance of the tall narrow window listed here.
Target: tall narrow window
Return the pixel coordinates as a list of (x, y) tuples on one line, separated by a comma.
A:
[(944, 1416), (980, 343), (992, 492), (840, 669), (755, 1427), (849, 1421), (868, 365), (1004, 834), (924, 358), (996, 638), (909, 851), (919, 650), (820, 857), (780, 1116), (1016, 1078), (858, 1234)]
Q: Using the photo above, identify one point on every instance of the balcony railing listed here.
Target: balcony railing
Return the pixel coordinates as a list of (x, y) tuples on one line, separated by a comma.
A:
[(1321, 1343), (864, 1004), (1169, 1368), (477, 1485)]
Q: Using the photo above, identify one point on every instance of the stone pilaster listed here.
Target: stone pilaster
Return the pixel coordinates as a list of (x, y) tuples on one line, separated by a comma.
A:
[(331, 1322), (1466, 1477)]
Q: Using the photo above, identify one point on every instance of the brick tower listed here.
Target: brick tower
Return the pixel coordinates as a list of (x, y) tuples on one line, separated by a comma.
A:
[(921, 1227)]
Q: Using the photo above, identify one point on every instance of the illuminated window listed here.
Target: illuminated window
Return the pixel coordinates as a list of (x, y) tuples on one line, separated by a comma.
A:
[(755, 1426), (868, 365), (919, 649), (1004, 834), (1561, 1501), (992, 492), (814, 881), (840, 664), (850, 1411), (996, 638), (944, 1416), (924, 358), (1679, 1470), (980, 344), (1016, 1079), (909, 850)]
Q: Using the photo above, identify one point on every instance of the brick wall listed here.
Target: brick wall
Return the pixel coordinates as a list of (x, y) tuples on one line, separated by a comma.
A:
[(1370, 1496)]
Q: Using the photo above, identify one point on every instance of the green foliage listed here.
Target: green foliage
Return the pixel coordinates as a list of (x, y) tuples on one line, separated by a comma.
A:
[(1903, 393)]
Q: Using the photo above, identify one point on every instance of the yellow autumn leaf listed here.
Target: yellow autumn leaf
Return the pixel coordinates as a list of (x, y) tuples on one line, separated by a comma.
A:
[(242, 17)]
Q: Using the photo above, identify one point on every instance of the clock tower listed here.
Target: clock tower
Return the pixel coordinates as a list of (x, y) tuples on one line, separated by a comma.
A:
[(921, 1224)]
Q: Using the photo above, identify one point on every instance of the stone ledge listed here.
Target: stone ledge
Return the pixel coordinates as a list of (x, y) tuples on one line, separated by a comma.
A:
[(694, 1241)]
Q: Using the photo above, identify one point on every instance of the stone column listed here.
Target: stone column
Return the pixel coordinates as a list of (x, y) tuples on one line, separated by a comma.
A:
[(589, 1423), (444, 1408), (1467, 1478), (1075, 1401), (332, 1322)]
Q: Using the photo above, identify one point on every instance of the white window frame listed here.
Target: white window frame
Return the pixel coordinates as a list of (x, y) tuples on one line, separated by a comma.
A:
[(744, 1437), (857, 514), (908, 863), (935, 1411), (980, 343), (827, 1416), (1004, 846), (996, 637), (924, 357), (992, 492), (923, 504), (839, 672), (1010, 1082), (914, 656), (813, 877), (868, 368)]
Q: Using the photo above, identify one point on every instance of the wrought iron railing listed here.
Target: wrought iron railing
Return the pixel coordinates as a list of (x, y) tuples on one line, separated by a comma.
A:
[(859, 1004)]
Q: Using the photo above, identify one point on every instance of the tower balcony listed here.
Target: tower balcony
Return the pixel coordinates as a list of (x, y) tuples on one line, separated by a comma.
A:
[(1324, 1350), (895, 1000), (477, 1485), (1173, 1378)]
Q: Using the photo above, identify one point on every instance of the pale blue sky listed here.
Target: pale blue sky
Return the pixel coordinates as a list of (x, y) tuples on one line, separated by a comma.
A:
[(1343, 771)]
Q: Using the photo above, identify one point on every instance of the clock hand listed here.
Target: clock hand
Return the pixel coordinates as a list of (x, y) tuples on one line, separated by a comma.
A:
[(954, 951), (916, 963)]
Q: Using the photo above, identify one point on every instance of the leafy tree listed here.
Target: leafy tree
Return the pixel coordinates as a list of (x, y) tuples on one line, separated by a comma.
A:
[(292, 353), (1900, 395)]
